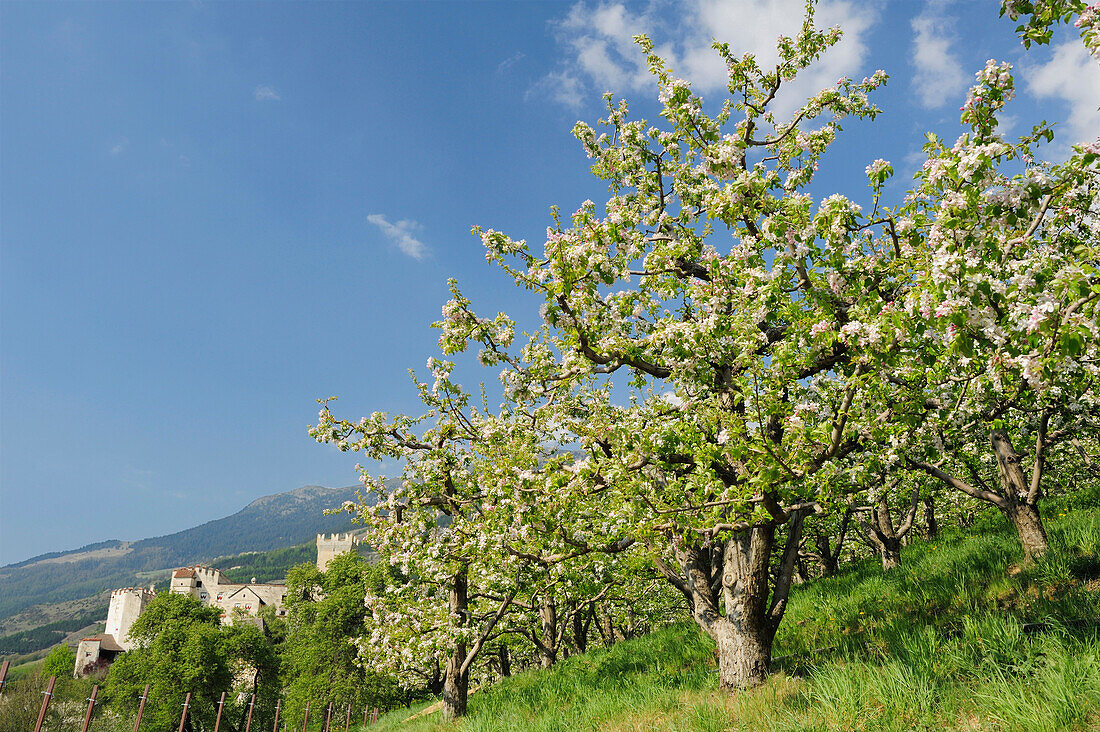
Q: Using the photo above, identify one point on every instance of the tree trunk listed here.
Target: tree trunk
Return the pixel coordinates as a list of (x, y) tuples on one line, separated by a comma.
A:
[(456, 682), (931, 529), (580, 630), (606, 627), (1029, 526), (744, 654), (728, 590), (890, 554), (548, 621), (1015, 487), (505, 661), (435, 681)]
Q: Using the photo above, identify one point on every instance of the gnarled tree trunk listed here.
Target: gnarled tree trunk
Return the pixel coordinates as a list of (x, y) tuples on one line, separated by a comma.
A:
[(456, 680), (733, 599), (548, 624), (880, 529), (1021, 497)]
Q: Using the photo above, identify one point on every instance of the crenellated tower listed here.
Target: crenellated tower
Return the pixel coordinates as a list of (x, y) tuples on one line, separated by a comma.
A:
[(332, 545)]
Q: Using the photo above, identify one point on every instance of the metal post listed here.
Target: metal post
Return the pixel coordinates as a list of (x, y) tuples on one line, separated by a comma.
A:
[(278, 706), (3, 675), (186, 704), (306, 720), (328, 717), (141, 707), (347, 724), (251, 705), (91, 706), (218, 719), (45, 703)]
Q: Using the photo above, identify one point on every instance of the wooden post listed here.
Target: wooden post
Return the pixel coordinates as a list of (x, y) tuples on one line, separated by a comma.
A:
[(141, 707), (347, 724), (186, 706), (218, 719), (306, 720), (366, 712), (3, 675), (45, 703), (91, 706), (251, 705), (328, 717), (374, 715), (278, 706)]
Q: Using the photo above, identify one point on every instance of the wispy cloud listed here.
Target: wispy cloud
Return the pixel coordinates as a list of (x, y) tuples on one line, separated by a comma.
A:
[(938, 75), (561, 86), (119, 147), (510, 61), (266, 93), (401, 234), (1072, 76), (600, 54)]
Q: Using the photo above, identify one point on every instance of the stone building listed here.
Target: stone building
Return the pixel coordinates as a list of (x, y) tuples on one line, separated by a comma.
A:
[(126, 605), (205, 584), (329, 546)]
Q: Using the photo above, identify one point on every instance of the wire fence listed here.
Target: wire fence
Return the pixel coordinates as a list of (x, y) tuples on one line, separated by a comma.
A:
[(336, 717)]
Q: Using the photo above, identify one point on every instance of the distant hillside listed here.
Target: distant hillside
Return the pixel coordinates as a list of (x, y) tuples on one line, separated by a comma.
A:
[(271, 522)]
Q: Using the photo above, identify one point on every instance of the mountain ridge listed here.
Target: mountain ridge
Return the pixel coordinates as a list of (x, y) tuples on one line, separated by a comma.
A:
[(269, 522)]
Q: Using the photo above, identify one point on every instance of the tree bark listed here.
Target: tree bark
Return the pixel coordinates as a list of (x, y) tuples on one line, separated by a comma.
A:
[(734, 600), (505, 661), (885, 538), (1029, 527), (931, 528), (1021, 502), (580, 627), (456, 682), (548, 623), (744, 654)]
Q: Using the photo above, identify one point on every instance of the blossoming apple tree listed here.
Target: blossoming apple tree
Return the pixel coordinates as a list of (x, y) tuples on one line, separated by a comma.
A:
[(745, 320), (1004, 336)]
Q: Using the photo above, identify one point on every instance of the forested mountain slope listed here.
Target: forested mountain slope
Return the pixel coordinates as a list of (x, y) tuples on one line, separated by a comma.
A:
[(270, 522)]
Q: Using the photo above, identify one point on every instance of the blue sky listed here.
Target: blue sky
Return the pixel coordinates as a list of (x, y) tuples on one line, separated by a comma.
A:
[(213, 213)]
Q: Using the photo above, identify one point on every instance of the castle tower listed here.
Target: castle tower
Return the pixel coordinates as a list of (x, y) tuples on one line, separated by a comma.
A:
[(330, 546), (126, 605), (199, 581)]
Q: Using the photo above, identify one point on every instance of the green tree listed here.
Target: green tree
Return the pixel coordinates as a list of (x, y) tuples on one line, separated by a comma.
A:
[(325, 620), (59, 662), (181, 648)]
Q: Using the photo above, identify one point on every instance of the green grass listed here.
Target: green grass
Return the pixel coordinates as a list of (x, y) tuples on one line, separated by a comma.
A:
[(937, 644)]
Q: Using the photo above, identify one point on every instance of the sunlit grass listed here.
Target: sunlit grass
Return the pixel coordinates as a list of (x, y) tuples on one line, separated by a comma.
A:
[(937, 644)]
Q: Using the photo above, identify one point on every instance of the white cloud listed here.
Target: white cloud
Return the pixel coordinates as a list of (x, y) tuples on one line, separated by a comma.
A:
[(266, 93), (602, 55), (938, 76), (511, 61), (1072, 76), (119, 147), (561, 86), (400, 233)]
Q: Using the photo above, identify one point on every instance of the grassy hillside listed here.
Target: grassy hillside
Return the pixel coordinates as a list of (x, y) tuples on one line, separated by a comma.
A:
[(942, 643)]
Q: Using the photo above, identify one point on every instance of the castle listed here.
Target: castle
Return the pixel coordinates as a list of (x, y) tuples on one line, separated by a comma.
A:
[(331, 546), (205, 584)]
